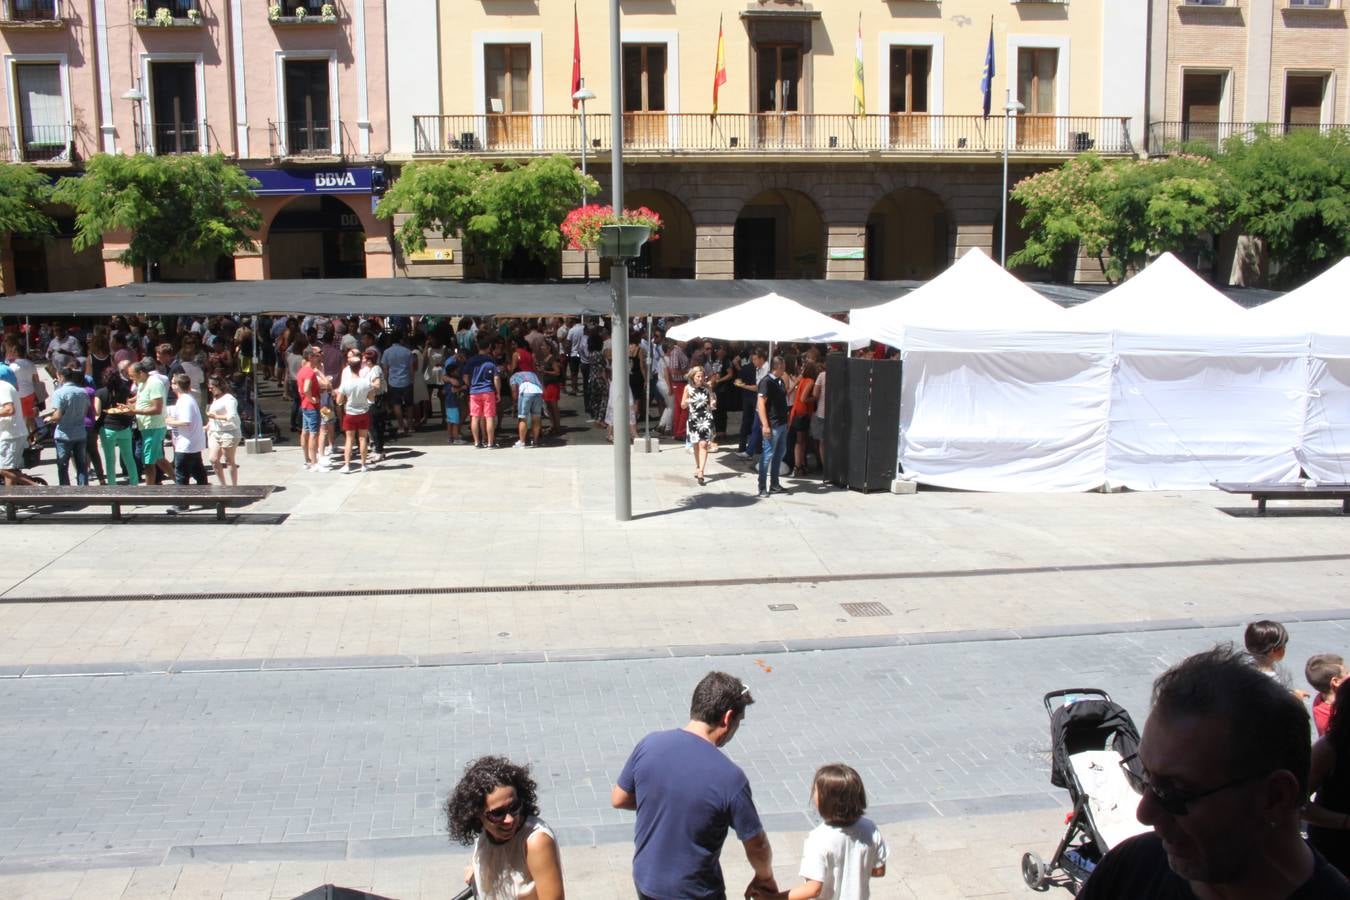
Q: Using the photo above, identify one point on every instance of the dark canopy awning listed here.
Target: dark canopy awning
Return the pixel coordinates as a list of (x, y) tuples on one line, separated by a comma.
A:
[(428, 296)]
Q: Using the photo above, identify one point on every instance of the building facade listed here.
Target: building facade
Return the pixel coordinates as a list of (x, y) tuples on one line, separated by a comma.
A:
[(293, 91), (1221, 68), (790, 175)]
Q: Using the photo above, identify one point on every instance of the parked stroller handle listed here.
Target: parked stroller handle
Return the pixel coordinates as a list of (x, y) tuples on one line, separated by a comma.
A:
[(1069, 695), (466, 894)]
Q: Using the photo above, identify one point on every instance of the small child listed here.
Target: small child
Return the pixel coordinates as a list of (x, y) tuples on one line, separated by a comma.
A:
[(844, 852), (1266, 641), (1325, 672)]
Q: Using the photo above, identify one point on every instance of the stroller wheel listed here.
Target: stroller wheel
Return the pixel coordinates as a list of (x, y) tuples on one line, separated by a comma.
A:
[(1033, 871)]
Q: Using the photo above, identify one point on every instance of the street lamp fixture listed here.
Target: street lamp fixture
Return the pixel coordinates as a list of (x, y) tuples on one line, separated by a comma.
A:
[(1010, 109), (137, 97), (581, 96)]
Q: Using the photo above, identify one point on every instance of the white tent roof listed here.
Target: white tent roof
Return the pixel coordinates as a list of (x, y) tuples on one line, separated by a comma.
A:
[(1322, 304), (974, 292), (768, 318), (1165, 298)]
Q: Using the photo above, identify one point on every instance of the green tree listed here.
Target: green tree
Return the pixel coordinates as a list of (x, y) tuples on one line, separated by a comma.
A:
[(1293, 194), (1125, 212), (176, 208), (496, 211), (24, 192)]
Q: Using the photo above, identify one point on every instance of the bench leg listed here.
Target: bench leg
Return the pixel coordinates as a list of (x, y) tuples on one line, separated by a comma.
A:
[(220, 512), (11, 512), (117, 512), (1261, 506), (1345, 507)]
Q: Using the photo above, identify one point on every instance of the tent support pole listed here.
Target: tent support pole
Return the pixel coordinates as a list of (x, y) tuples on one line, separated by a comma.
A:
[(257, 413)]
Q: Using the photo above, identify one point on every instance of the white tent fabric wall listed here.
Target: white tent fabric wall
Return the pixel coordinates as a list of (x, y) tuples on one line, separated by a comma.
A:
[(1005, 411)]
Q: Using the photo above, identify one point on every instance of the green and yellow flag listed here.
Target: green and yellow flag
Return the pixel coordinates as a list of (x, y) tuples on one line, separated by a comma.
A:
[(859, 101)]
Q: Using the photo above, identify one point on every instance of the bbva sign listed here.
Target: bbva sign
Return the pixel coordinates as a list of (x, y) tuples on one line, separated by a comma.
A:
[(334, 179)]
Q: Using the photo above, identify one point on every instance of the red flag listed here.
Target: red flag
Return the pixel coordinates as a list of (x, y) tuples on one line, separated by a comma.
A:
[(720, 70), (576, 56)]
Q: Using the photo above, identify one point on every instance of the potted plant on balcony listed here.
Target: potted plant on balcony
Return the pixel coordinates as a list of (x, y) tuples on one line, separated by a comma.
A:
[(163, 17), (274, 12), (582, 229), (300, 14), (328, 12), (140, 15), (195, 16)]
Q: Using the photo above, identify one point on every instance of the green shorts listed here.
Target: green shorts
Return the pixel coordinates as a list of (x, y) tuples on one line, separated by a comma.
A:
[(152, 445)]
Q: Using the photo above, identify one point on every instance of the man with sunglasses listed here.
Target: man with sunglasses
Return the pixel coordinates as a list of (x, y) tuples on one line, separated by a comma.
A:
[(687, 795), (1223, 772)]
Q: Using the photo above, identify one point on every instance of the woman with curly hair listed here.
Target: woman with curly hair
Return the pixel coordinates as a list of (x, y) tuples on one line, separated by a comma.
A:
[(495, 808)]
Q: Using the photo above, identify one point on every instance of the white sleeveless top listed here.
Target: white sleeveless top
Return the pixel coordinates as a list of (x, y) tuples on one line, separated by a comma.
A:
[(499, 870)]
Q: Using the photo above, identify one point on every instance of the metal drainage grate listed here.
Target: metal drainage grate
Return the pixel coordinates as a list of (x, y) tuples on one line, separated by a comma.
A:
[(782, 607), (860, 610)]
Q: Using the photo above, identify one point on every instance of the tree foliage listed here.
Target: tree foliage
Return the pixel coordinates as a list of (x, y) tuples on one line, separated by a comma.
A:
[(176, 208), (24, 192), (1124, 212), (1295, 196), (496, 211)]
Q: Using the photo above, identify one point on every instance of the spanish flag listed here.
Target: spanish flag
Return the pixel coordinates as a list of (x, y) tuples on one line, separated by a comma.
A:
[(720, 73), (859, 103)]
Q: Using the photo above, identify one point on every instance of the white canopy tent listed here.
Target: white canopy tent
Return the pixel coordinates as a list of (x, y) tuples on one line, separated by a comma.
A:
[(1322, 308), (768, 318)]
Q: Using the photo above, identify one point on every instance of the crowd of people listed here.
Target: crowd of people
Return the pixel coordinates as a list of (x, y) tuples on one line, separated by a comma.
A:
[(354, 383)]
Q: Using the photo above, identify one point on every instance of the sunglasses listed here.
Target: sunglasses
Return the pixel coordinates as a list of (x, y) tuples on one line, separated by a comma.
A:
[(1175, 802), (499, 814)]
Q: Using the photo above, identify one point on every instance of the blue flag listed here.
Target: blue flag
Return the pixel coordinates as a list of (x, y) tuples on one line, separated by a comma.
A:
[(987, 79)]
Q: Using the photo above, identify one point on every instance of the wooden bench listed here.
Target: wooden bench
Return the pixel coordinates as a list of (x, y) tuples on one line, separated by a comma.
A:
[(1272, 490), (146, 495)]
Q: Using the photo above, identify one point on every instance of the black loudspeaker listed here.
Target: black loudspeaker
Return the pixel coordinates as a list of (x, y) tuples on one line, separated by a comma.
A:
[(862, 422)]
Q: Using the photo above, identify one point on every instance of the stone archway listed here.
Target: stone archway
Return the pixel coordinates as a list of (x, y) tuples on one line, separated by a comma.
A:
[(315, 236), (779, 234), (908, 232), (672, 256)]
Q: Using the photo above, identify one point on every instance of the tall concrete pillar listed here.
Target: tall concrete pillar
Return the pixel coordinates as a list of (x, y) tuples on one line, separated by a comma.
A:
[(379, 258), (115, 272), (250, 265)]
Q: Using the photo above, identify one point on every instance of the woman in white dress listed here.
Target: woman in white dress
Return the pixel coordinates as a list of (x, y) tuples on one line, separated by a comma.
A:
[(515, 855)]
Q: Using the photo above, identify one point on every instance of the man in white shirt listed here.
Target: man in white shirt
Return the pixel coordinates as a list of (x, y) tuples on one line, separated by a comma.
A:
[(65, 351), (26, 375), (189, 437), (13, 436)]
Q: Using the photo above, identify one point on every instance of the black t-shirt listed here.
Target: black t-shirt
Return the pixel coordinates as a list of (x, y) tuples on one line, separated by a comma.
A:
[(746, 375), (775, 399), (1138, 868), (107, 398)]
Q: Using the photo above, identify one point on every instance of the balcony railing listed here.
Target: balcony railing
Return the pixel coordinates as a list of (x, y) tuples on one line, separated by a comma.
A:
[(302, 12), (1169, 137), (32, 12), (177, 139), (773, 134), (165, 13), (308, 138), (38, 144)]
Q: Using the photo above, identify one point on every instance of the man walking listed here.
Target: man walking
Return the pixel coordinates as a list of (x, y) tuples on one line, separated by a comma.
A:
[(148, 404), (772, 410), (687, 795), (189, 438)]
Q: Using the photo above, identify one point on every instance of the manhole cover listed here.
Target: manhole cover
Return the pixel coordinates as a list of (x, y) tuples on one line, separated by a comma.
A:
[(860, 610), (782, 607)]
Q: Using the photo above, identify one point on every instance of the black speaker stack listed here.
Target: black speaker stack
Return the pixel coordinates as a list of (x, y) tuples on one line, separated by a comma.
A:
[(862, 422)]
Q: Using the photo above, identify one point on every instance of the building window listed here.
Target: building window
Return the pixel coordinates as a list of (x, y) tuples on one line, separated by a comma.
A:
[(29, 10), (42, 112), (1304, 96), (644, 78), (508, 94), (910, 69), (308, 127), (778, 71), (311, 7), (1037, 69), (173, 107)]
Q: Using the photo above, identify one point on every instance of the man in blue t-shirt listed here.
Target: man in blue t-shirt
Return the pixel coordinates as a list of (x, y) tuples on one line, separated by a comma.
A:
[(687, 794)]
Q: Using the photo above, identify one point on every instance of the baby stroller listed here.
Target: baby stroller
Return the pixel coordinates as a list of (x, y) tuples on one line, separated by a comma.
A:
[(269, 422), (1089, 738)]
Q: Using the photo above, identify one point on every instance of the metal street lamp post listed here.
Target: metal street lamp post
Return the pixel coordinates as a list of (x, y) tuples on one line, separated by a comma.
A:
[(1010, 109), (581, 96), (619, 255)]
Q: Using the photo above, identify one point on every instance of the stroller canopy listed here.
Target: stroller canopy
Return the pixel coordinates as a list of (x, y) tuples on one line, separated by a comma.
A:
[(1089, 723)]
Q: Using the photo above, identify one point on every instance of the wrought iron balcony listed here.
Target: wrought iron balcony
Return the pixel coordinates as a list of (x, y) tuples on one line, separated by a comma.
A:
[(37, 143), (302, 12), (1171, 137), (33, 13), (773, 134), (166, 13), (310, 138), (169, 139)]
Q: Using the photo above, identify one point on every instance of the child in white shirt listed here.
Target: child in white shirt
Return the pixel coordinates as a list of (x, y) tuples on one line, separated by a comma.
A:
[(844, 852)]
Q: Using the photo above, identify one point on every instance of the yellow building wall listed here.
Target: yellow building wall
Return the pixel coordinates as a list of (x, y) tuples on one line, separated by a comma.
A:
[(963, 29)]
